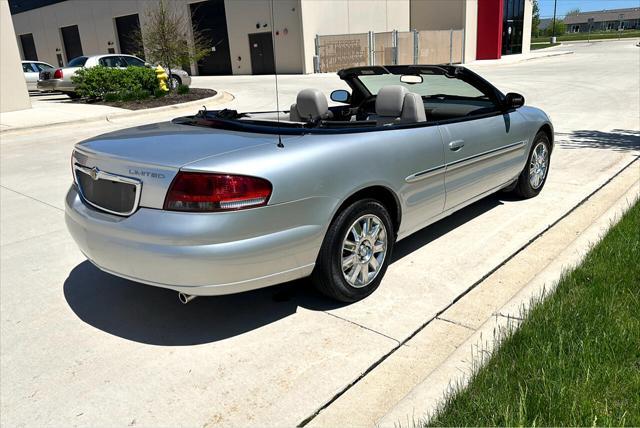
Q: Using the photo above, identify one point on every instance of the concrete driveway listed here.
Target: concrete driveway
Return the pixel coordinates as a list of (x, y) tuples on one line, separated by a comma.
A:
[(80, 347)]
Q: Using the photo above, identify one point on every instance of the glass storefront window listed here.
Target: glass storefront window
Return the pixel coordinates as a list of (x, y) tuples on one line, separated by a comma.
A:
[(512, 26)]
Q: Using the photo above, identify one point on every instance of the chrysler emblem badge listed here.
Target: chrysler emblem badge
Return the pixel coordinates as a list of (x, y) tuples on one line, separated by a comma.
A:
[(94, 173)]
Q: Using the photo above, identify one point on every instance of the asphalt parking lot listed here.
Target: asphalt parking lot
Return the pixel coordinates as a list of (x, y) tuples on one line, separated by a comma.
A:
[(81, 347)]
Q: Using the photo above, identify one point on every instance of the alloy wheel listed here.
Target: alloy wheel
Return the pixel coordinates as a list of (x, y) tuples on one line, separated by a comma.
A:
[(538, 165), (364, 249)]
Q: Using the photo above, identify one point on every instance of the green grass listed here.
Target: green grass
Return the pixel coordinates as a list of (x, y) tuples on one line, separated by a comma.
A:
[(542, 45), (575, 361), (583, 36)]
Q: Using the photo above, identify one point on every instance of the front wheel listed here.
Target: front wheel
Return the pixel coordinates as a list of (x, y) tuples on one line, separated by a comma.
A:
[(355, 252), (534, 175)]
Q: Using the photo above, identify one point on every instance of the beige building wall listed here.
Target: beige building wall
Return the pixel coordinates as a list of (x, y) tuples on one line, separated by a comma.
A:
[(349, 16), (95, 21), (470, 30), (437, 14), (13, 87), (526, 28), (96, 25), (447, 15), (242, 17)]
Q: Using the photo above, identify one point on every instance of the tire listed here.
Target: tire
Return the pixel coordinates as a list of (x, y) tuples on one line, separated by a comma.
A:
[(175, 81), (73, 95), (532, 178), (372, 253)]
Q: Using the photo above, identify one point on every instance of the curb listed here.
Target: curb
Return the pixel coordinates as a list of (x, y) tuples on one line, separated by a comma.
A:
[(546, 56), (502, 60), (445, 349), (221, 97), (456, 371)]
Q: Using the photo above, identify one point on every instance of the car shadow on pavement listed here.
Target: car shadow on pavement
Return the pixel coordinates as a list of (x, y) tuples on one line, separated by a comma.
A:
[(447, 224), (617, 139), (153, 315)]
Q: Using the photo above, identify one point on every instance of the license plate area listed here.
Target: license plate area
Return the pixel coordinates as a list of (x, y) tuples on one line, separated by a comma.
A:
[(108, 192)]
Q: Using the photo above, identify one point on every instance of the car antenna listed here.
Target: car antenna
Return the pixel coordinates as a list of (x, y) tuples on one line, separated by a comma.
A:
[(275, 71)]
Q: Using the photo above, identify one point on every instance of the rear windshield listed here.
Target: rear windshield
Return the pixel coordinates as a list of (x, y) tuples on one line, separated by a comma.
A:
[(77, 61)]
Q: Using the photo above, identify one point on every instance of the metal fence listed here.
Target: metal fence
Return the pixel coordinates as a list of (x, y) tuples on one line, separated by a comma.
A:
[(335, 52)]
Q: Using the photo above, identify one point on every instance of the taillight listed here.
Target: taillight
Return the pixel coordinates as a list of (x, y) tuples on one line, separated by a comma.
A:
[(195, 191), (57, 74)]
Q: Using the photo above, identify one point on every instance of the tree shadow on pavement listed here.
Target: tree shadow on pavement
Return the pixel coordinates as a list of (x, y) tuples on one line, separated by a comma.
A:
[(153, 315), (617, 139)]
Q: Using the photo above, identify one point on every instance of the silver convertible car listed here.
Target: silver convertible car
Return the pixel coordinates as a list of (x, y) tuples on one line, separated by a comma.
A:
[(222, 201)]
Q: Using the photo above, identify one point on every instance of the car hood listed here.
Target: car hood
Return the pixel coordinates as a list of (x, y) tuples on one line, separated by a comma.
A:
[(170, 144)]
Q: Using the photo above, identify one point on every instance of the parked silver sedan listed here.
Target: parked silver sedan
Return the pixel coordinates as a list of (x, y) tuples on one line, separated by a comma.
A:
[(223, 202), (31, 70), (60, 79)]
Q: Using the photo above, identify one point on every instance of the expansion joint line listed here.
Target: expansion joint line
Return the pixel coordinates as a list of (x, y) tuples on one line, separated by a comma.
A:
[(460, 296)]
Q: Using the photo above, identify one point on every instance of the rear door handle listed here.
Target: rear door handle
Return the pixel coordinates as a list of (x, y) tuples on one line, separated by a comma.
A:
[(456, 145)]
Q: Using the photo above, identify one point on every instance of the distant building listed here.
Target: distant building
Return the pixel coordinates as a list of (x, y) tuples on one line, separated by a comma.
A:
[(247, 36), (492, 28), (603, 20)]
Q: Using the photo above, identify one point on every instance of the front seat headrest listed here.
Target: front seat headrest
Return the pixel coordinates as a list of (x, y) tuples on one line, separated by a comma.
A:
[(311, 104), (413, 109), (389, 100)]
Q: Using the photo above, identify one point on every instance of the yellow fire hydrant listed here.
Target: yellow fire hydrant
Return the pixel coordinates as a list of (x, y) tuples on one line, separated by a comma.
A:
[(162, 77)]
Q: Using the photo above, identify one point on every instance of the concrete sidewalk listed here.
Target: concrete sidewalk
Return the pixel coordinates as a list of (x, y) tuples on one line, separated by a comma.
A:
[(81, 347), (57, 110)]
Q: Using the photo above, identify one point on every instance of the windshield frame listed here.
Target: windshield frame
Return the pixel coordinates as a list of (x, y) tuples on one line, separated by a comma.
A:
[(361, 92)]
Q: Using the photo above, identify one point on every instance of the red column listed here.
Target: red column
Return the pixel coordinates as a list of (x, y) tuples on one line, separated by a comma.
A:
[(489, 40)]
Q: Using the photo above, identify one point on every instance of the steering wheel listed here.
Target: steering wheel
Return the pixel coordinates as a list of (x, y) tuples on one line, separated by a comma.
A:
[(360, 113)]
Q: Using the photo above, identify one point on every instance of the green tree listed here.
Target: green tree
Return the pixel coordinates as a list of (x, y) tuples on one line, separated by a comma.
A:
[(573, 11), (535, 19), (560, 28), (164, 37)]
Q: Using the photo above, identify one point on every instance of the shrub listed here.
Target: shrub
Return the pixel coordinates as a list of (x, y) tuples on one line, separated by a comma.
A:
[(183, 89), (97, 82), (112, 97), (137, 95), (159, 93)]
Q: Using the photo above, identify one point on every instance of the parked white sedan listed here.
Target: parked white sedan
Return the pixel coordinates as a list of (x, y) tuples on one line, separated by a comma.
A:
[(32, 71), (59, 79)]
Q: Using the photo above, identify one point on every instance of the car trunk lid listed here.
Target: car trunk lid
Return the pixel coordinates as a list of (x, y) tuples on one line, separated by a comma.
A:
[(151, 156)]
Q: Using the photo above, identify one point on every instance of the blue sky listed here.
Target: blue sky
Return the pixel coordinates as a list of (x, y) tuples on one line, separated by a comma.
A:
[(546, 6)]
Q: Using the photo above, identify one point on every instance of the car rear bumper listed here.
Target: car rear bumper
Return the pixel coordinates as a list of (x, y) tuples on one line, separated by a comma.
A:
[(54, 85), (196, 253)]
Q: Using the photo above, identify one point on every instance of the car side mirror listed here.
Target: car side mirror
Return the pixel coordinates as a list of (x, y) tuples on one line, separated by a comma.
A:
[(146, 64), (513, 101), (341, 96)]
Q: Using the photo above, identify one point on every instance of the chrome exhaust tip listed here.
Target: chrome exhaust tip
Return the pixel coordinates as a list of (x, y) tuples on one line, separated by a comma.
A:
[(185, 298)]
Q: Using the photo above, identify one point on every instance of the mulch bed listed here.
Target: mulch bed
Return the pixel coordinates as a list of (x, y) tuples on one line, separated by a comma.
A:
[(169, 99)]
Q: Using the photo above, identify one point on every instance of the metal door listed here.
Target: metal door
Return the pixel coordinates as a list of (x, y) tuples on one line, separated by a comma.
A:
[(208, 17), (28, 47), (128, 27), (71, 42), (261, 48)]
